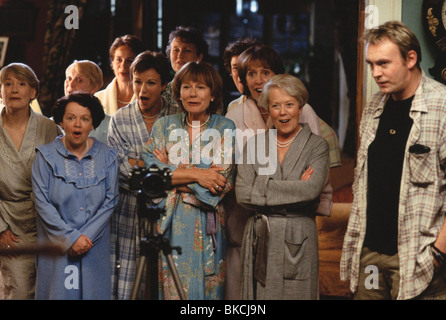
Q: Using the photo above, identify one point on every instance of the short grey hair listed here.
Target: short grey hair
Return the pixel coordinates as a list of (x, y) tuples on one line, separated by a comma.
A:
[(292, 85)]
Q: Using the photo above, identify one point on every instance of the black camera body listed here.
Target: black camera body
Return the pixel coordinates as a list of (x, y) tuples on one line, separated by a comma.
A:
[(151, 182)]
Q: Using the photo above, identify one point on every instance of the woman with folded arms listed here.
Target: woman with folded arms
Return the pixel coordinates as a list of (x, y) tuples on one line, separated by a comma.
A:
[(279, 248), (195, 218)]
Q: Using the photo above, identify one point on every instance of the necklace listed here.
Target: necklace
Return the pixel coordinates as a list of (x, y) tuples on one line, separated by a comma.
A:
[(153, 117), (288, 142), (199, 126), (124, 102), (86, 148), (149, 120)]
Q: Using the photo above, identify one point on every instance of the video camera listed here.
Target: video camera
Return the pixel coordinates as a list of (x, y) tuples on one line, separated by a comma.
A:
[(151, 182)]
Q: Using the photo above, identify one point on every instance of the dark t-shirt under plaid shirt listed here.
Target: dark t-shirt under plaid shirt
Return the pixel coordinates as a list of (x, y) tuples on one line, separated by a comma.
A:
[(385, 163)]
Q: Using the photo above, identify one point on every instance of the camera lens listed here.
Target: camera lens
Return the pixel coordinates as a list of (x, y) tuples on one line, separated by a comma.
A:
[(153, 185)]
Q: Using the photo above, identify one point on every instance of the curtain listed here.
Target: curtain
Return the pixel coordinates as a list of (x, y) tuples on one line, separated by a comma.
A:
[(57, 44)]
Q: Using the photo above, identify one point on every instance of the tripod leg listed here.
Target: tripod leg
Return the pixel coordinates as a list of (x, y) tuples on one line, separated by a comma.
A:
[(176, 277), (152, 292), (138, 277)]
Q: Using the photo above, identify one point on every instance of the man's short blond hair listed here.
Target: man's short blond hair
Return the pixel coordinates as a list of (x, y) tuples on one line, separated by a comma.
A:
[(399, 34)]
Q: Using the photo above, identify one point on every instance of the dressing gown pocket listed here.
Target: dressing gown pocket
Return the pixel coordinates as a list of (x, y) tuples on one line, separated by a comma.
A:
[(295, 264), (421, 167)]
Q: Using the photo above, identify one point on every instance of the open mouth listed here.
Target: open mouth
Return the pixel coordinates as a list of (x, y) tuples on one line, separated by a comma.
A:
[(77, 134), (284, 121), (144, 98)]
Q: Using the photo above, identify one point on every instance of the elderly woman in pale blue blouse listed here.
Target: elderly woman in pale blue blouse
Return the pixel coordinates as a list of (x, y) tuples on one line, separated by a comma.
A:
[(195, 218), (75, 190)]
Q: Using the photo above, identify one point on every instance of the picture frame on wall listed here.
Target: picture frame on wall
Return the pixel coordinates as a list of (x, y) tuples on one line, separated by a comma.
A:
[(3, 48)]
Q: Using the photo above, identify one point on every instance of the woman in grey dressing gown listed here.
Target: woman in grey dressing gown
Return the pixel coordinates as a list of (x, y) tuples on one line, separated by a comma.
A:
[(21, 131), (279, 249)]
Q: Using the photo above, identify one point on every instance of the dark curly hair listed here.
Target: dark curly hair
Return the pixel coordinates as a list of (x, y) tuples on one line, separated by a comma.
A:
[(235, 49), (84, 99), (189, 35)]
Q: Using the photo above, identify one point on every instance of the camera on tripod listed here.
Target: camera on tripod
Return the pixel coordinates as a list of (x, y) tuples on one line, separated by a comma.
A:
[(151, 182)]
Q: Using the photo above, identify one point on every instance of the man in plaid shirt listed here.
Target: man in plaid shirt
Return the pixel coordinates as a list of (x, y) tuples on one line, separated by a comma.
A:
[(396, 237)]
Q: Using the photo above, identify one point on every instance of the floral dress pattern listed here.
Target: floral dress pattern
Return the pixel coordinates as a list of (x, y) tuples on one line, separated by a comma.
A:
[(194, 221)]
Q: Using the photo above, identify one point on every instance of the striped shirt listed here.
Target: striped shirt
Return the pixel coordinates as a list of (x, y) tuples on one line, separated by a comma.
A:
[(421, 199), (128, 134)]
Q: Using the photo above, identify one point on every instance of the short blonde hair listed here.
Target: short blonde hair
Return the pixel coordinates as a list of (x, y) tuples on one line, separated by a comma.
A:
[(399, 34), (90, 70), (292, 85), (23, 72)]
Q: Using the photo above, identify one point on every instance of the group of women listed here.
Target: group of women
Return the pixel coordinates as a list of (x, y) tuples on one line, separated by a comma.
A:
[(243, 234)]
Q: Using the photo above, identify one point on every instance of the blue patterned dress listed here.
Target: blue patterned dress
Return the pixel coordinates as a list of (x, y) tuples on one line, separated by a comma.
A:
[(190, 217)]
